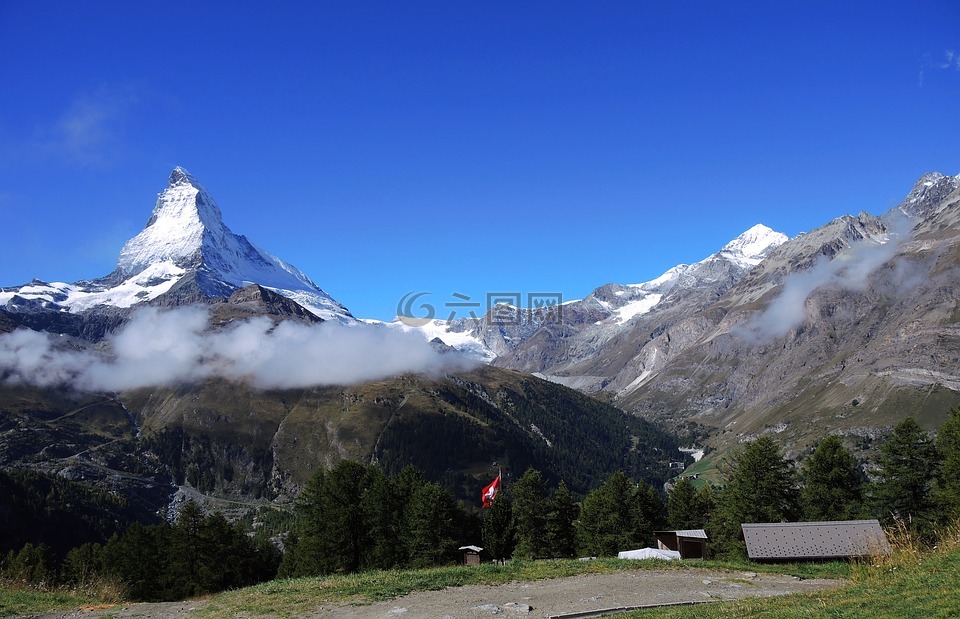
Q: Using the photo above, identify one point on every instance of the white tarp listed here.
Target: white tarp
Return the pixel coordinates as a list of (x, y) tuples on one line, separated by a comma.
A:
[(649, 553)]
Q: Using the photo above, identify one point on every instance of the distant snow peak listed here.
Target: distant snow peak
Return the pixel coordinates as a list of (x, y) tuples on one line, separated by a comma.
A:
[(746, 251), (752, 246), (464, 340)]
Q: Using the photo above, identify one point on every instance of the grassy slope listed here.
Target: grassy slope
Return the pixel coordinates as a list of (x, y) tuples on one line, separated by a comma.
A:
[(708, 471)]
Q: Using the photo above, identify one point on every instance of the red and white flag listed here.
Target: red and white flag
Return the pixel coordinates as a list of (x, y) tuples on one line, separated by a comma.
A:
[(490, 492)]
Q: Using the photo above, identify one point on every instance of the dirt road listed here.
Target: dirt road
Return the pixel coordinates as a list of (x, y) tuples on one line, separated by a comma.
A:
[(539, 599)]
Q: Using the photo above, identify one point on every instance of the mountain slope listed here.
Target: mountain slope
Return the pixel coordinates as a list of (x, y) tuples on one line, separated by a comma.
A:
[(229, 440), (184, 254), (848, 328)]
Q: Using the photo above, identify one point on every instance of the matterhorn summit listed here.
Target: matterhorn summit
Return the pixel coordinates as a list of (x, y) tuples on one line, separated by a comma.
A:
[(184, 254), (184, 221)]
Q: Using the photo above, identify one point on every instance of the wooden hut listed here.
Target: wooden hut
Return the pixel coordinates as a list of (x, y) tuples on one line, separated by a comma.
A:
[(690, 543), (471, 555)]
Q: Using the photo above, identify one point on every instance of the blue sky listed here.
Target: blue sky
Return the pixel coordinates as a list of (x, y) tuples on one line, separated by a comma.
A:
[(466, 148)]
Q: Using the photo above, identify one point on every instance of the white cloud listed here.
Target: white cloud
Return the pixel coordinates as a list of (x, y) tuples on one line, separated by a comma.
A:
[(849, 270), (162, 348), (88, 133), (951, 60), (31, 357)]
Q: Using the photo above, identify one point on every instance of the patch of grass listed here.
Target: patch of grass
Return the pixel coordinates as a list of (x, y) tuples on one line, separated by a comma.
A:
[(708, 471), (16, 601), (17, 598)]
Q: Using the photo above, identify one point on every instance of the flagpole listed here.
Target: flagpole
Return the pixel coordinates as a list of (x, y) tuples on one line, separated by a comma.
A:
[(500, 477)]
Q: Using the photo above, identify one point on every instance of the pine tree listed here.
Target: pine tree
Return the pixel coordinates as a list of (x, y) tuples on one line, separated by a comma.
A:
[(139, 558), (498, 530), (606, 524), (908, 463), (83, 564), (332, 533), (303, 555), (290, 563), (682, 508), (31, 565), (383, 512), (186, 550), (431, 521), (761, 487), (228, 556), (706, 501), (833, 483), (530, 515), (947, 489), (403, 486), (649, 514), (561, 523), (344, 532), (406, 482)]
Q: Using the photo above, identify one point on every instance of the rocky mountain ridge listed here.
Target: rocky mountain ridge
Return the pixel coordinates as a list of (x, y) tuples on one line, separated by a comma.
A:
[(848, 328), (819, 333), (597, 318)]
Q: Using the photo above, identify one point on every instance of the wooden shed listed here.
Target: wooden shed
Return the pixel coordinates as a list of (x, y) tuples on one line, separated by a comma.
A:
[(690, 543), (471, 555)]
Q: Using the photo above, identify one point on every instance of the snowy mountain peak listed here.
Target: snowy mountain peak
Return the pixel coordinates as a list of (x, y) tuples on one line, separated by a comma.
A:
[(180, 176), (183, 216), (928, 192), (185, 240), (752, 246)]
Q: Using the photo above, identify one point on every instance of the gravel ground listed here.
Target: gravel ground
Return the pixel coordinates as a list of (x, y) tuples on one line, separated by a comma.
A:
[(539, 599)]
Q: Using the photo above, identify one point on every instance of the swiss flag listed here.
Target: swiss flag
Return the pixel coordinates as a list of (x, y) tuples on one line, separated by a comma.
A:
[(490, 492)]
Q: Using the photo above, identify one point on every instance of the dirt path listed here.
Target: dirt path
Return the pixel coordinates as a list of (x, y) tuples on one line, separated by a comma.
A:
[(539, 599)]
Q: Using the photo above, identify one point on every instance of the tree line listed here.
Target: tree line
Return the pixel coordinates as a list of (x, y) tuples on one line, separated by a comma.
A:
[(198, 554), (914, 483), (355, 517)]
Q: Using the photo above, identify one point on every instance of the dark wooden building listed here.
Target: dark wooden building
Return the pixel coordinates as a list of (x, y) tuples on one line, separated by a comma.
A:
[(690, 543), (471, 555)]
